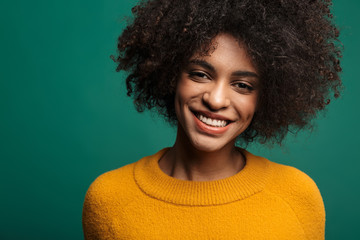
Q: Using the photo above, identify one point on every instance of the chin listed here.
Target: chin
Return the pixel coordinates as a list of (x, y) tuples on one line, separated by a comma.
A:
[(205, 145)]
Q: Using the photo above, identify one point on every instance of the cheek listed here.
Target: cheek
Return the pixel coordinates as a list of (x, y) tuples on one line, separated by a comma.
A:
[(247, 107), (186, 90), (180, 101)]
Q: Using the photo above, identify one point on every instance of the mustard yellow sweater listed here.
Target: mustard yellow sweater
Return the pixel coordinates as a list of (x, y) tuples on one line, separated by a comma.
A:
[(265, 200)]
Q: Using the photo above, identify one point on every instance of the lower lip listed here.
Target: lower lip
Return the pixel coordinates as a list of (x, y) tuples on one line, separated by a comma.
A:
[(209, 129)]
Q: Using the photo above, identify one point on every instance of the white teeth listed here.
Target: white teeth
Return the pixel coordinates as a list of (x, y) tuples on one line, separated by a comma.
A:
[(212, 122)]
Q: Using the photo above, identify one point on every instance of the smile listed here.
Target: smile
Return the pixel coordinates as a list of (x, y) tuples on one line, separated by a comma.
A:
[(210, 121)]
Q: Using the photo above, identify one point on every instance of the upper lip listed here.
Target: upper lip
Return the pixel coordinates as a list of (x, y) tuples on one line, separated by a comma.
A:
[(211, 115)]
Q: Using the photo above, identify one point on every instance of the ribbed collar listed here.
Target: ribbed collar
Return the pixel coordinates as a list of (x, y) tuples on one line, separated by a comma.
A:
[(155, 183)]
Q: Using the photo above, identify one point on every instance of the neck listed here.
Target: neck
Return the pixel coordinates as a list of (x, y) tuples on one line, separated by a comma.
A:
[(184, 161)]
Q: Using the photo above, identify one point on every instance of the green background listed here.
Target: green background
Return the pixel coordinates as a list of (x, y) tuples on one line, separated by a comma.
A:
[(65, 119)]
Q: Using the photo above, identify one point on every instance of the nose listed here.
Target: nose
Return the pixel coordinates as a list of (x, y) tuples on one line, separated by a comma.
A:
[(216, 97)]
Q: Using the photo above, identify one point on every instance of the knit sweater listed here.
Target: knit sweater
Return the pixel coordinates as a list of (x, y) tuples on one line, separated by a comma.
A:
[(265, 200)]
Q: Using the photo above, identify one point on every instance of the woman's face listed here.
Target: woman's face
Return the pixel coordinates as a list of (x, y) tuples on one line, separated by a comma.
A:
[(216, 96)]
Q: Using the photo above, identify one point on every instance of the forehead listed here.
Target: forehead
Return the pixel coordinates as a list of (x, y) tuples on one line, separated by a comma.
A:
[(226, 52)]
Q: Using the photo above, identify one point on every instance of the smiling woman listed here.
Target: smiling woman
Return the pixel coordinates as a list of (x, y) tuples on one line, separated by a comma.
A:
[(215, 88), (215, 101), (221, 72)]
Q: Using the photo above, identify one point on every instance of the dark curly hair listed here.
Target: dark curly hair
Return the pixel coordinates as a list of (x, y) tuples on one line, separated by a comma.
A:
[(293, 43)]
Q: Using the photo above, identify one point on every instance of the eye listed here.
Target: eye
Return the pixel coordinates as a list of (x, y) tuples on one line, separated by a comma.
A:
[(241, 86), (199, 75)]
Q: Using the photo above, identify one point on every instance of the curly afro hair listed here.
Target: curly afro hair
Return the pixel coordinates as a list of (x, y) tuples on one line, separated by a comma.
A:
[(293, 43)]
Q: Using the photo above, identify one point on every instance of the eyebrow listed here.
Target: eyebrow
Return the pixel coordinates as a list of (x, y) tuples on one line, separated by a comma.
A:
[(210, 67)]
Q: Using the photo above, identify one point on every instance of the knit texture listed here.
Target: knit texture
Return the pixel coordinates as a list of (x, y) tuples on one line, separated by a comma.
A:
[(265, 200)]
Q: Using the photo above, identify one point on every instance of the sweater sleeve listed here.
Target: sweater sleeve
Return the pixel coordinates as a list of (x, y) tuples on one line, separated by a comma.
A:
[(303, 196), (105, 199), (94, 214)]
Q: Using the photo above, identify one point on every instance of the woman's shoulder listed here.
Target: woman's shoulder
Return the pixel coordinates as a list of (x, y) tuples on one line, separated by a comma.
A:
[(281, 178), (115, 186), (112, 190), (299, 191), (116, 177), (119, 183), (287, 179)]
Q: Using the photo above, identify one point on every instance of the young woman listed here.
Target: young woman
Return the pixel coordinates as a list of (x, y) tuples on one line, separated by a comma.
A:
[(221, 72)]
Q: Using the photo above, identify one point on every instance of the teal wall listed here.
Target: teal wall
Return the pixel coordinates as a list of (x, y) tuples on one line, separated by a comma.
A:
[(65, 119)]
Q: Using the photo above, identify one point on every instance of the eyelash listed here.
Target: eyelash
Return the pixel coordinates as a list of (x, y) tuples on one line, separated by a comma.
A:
[(242, 85), (199, 75)]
